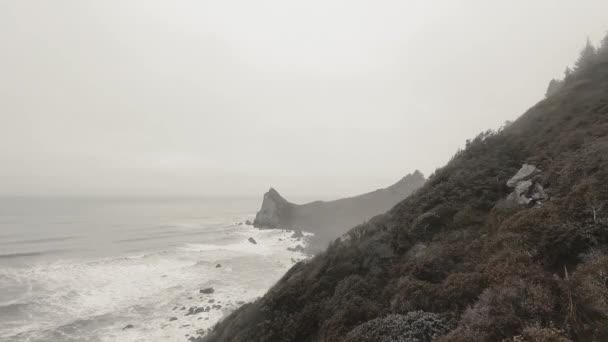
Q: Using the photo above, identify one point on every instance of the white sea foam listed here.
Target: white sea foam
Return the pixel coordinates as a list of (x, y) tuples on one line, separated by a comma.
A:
[(94, 300)]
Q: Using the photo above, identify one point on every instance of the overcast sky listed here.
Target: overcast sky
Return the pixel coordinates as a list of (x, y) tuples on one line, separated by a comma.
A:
[(316, 98)]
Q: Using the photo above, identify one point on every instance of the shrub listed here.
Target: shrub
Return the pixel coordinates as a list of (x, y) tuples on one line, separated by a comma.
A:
[(416, 326), (538, 334), (585, 295)]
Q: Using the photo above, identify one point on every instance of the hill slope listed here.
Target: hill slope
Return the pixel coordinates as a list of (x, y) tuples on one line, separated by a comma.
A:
[(331, 219), (462, 259)]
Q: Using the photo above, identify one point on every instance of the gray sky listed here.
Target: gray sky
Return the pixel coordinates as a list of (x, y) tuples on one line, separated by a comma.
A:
[(318, 97)]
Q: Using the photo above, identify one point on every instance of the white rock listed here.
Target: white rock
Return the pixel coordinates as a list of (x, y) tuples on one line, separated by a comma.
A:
[(526, 190), (522, 187), (525, 172), (539, 193)]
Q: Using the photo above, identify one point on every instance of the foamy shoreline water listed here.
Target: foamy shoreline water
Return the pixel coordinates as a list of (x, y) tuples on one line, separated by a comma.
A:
[(95, 299), (231, 289)]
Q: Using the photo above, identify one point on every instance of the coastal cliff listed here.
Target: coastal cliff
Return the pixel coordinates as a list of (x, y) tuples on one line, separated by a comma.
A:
[(275, 211), (507, 242), (330, 219)]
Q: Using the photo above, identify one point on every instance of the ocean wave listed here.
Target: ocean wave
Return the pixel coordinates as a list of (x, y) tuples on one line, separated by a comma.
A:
[(19, 255), (31, 254), (14, 309), (234, 247), (93, 298), (35, 241), (167, 235)]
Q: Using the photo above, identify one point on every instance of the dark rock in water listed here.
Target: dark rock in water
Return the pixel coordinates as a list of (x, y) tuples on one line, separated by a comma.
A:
[(172, 319), (128, 326), (189, 297), (297, 234), (207, 308), (175, 308), (218, 265), (208, 290), (183, 308), (240, 302), (195, 310), (249, 223), (297, 248), (252, 240), (211, 301), (216, 306)]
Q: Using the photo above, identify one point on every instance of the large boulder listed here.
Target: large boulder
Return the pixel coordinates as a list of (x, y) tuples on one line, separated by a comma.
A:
[(524, 173), (208, 290), (297, 234), (525, 189)]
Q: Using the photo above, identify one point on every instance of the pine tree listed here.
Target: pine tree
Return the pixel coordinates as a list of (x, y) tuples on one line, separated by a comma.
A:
[(567, 74), (602, 51), (586, 58), (554, 86)]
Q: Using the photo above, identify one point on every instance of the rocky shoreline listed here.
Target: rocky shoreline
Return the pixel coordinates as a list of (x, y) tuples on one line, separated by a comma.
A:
[(228, 279)]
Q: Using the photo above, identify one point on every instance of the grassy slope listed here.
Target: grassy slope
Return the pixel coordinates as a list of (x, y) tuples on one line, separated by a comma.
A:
[(491, 271)]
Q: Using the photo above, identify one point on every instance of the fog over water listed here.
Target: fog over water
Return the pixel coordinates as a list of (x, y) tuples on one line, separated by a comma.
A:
[(223, 98)]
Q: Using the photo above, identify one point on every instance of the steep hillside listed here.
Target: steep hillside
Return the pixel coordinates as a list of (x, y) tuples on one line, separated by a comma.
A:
[(331, 219), (468, 257)]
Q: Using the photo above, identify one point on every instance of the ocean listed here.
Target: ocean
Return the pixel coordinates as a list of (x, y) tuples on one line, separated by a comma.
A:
[(131, 269)]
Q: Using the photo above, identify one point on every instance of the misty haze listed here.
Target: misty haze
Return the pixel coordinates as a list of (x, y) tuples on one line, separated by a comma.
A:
[(349, 171)]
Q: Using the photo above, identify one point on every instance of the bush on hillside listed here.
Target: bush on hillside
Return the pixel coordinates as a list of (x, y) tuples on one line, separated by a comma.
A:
[(416, 326)]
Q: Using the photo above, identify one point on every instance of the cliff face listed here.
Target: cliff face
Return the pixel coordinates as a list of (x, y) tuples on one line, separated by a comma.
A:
[(332, 218), (507, 242), (275, 211)]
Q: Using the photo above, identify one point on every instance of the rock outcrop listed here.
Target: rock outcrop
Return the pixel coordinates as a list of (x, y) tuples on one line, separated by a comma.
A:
[(525, 189), (275, 211), (331, 219)]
